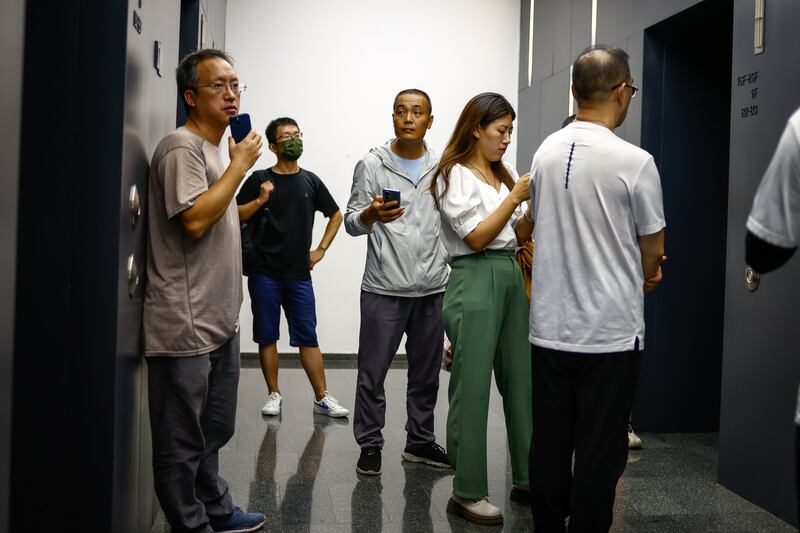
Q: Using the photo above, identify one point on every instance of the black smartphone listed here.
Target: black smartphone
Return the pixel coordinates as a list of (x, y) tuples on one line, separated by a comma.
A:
[(391, 195), (240, 126)]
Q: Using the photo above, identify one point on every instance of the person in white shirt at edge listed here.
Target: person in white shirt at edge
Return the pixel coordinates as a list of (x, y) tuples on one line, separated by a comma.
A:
[(599, 229), (485, 305), (774, 222)]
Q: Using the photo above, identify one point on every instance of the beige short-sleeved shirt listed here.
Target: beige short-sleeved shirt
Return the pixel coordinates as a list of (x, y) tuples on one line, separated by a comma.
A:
[(194, 286)]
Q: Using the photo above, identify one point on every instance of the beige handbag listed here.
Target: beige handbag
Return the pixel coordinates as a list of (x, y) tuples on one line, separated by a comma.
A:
[(525, 260)]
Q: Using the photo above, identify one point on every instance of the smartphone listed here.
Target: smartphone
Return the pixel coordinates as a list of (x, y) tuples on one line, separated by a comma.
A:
[(391, 195), (240, 126)]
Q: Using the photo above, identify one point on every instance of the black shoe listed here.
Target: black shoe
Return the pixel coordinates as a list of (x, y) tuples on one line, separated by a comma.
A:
[(430, 454), (520, 495), (369, 463)]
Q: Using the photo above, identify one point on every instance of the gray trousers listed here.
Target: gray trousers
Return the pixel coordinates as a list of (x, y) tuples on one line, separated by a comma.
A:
[(384, 319), (192, 415)]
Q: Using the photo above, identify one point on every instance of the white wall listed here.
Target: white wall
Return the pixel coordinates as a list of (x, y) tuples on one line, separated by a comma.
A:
[(335, 68)]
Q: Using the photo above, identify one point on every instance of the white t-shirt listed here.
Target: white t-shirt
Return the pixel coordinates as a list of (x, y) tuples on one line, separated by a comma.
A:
[(592, 194), (468, 202), (775, 217)]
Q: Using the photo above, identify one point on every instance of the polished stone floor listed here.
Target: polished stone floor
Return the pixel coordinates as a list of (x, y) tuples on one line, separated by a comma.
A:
[(299, 470)]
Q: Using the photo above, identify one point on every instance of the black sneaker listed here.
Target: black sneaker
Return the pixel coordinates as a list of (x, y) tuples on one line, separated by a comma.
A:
[(520, 494), (369, 463), (430, 454)]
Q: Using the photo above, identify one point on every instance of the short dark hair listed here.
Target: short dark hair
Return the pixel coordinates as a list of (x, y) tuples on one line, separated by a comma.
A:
[(272, 128), (420, 92), (597, 69), (186, 73)]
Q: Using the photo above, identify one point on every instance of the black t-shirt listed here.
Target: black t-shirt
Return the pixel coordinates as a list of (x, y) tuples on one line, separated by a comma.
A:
[(286, 240)]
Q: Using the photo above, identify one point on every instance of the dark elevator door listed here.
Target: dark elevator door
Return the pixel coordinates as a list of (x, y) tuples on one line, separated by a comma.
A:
[(686, 126)]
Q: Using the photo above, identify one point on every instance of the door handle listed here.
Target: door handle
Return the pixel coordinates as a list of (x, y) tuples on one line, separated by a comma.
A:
[(133, 276), (751, 279), (135, 205)]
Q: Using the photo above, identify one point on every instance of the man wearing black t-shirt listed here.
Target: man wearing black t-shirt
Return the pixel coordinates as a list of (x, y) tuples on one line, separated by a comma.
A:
[(285, 198)]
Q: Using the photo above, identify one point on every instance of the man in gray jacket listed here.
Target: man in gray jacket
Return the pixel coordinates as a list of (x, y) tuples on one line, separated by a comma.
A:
[(403, 285)]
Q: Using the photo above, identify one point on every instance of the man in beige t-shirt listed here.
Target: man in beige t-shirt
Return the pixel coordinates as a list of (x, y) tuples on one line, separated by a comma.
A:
[(192, 299)]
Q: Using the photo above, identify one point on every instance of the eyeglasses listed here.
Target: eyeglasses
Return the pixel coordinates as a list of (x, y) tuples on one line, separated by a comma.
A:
[(634, 89), (235, 87), (287, 136)]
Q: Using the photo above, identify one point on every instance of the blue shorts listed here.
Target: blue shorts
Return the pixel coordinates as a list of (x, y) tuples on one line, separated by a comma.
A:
[(267, 295)]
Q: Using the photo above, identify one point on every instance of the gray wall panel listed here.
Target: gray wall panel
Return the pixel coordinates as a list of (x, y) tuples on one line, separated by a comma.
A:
[(557, 28), (215, 12), (527, 129), (554, 103), (617, 19), (12, 25), (524, 34), (650, 12), (551, 34), (581, 28), (543, 37), (562, 28), (761, 366)]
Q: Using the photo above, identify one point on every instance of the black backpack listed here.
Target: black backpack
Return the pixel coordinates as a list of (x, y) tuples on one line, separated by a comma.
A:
[(252, 231)]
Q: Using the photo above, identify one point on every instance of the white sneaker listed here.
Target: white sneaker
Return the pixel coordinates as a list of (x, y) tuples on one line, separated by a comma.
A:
[(478, 511), (273, 405), (634, 442), (330, 406)]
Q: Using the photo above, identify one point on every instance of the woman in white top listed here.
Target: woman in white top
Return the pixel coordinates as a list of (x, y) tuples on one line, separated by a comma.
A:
[(485, 307)]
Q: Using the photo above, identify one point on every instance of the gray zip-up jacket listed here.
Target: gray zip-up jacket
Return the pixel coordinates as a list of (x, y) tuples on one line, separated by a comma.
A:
[(404, 257)]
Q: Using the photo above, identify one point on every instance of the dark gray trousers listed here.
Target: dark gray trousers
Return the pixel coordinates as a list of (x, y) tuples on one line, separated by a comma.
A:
[(192, 415), (384, 319)]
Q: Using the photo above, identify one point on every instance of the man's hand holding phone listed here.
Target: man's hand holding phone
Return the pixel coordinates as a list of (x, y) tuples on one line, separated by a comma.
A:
[(383, 211), (244, 154)]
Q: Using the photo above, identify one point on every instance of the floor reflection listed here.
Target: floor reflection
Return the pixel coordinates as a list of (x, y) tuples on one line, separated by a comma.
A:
[(299, 470), (298, 496), (366, 505)]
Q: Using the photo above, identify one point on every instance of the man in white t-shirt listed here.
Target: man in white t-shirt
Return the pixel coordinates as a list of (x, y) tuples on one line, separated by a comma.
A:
[(773, 227), (599, 232)]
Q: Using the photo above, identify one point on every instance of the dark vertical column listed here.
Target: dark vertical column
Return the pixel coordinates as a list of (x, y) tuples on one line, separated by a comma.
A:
[(41, 326), (189, 38), (680, 383), (65, 324), (12, 26)]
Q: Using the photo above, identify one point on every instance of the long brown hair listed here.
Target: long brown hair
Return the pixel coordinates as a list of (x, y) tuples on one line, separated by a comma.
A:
[(480, 111)]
